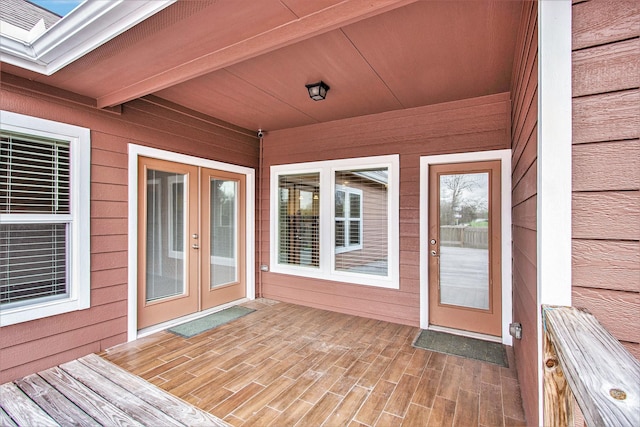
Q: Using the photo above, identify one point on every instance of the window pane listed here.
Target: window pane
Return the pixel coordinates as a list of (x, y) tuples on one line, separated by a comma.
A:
[(33, 262), (339, 233), (354, 206), (340, 204), (354, 232), (298, 210), (365, 250), (224, 232), (34, 175)]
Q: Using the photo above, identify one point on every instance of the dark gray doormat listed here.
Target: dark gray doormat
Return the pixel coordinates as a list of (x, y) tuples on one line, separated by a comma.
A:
[(471, 348), (198, 326)]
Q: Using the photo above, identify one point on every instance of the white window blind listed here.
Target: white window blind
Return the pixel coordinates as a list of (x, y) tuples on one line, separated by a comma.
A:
[(35, 175), (298, 219), (34, 187)]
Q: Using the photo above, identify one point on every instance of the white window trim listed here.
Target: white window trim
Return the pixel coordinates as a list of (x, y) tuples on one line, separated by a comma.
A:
[(135, 151), (326, 269), (505, 185), (87, 27), (347, 218), (80, 239)]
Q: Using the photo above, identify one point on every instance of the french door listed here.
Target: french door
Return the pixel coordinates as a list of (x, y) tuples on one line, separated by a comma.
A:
[(191, 239), (464, 247)]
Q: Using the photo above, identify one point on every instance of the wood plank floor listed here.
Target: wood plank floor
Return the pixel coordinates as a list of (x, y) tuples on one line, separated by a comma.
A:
[(287, 365), (92, 392)]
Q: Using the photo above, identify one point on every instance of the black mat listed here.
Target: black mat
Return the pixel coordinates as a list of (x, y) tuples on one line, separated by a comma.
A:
[(456, 345), (195, 327)]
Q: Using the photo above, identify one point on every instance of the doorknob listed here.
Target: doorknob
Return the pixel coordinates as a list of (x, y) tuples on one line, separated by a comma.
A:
[(195, 246), (434, 253)]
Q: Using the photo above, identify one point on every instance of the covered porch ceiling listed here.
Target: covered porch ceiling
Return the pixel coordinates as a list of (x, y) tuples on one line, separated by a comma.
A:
[(247, 62)]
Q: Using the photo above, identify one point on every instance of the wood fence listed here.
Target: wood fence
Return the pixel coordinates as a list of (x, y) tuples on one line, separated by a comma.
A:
[(464, 236), (582, 359)]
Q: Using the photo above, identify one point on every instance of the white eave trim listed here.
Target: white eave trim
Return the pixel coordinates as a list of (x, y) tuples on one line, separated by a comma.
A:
[(90, 25)]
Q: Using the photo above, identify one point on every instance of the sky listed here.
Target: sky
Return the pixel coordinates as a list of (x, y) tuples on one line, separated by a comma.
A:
[(60, 7)]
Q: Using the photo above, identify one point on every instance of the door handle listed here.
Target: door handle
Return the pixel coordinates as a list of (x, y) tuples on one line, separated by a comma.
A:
[(434, 253), (195, 246)]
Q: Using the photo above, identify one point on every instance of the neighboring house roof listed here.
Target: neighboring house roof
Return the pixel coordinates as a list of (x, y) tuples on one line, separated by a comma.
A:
[(24, 14)]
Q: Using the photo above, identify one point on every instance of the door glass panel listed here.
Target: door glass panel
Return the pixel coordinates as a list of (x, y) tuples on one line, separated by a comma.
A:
[(224, 232), (464, 240), (165, 235)]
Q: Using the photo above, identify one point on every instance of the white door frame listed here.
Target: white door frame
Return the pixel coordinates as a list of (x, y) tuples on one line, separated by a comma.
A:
[(505, 189), (136, 151)]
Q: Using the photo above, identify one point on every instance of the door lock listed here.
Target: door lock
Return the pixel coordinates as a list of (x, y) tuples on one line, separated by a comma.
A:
[(434, 253)]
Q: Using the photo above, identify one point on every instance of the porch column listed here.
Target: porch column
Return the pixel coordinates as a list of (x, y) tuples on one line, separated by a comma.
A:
[(554, 162)]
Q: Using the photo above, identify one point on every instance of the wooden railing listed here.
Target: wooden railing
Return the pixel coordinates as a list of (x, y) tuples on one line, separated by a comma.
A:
[(582, 359)]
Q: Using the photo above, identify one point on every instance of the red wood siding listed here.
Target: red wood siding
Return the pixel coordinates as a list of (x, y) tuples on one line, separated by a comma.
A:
[(524, 116), (606, 165), (469, 125), (32, 346)]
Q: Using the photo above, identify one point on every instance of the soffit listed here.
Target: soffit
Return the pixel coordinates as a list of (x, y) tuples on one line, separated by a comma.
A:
[(393, 55)]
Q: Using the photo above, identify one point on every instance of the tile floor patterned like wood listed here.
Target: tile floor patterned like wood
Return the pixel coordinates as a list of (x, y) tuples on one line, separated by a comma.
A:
[(287, 365)]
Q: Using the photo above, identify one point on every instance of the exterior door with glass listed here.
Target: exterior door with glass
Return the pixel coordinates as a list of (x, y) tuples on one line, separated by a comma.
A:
[(191, 234), (222, 246), (464, 247)]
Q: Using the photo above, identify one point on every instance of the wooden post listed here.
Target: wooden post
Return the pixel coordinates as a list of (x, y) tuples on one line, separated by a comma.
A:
[(558, 398), (601, 373)]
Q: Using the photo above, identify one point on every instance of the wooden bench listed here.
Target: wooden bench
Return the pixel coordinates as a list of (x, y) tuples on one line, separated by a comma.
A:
[(91, 392)]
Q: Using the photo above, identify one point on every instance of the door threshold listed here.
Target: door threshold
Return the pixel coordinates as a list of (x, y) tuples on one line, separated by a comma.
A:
[(463, 333), (184, 319)]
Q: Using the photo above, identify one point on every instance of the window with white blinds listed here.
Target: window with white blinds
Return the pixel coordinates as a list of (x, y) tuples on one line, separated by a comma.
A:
[(34, 176), (298, 219), (34, 262), (43, 249), (337, 220)]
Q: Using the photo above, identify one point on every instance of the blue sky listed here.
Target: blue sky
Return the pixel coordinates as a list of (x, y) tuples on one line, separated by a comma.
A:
[(61, 7)]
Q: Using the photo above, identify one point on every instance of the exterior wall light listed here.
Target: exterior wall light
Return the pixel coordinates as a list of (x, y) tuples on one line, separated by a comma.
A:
[(318, 91)]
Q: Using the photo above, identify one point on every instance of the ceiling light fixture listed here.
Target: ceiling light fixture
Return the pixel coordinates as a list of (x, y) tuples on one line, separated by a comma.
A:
[(318, 91)]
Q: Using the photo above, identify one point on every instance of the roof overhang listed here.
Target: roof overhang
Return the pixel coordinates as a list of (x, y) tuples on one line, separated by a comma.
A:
[(90, 25)]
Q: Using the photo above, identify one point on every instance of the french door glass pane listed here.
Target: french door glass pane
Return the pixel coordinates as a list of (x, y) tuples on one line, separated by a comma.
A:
[(224, 232), (166, 219), (464, 240)]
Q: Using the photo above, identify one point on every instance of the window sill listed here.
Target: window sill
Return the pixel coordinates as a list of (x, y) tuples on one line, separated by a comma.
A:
[(388, 282), (42, 310)]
